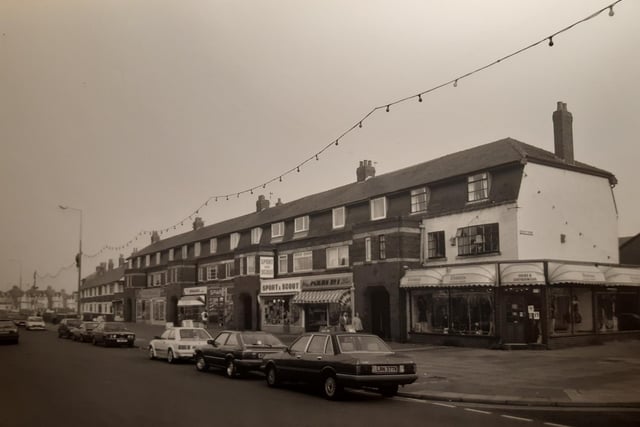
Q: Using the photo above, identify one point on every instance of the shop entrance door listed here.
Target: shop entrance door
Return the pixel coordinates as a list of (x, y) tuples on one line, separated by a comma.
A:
[(247, 318), (380, 317), (515, 312), (522, 313)]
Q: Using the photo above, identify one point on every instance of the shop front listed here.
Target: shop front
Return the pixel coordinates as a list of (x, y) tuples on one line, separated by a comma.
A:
[(278, 313), (451, 305), (151, 306), (191, 305), (323, 300), (220, 305), (118, 310)]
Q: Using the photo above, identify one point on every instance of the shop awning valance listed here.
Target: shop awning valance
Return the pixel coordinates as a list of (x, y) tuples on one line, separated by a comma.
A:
[(423, 278), (472, 275), (524, 273), (581, 274), (191, 300), (623, 276), (334, 296)]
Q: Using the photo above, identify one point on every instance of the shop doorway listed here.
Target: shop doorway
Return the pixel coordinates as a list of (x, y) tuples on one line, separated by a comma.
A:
[(246, 316), (522, 316), (129, 316), (380, 314), (172, 311)]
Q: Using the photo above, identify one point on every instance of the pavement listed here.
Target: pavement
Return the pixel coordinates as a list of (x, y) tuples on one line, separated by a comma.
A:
[(606, 375)]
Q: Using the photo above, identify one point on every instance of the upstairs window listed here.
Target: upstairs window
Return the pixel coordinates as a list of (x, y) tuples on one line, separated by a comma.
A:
[(234, 239), (213, 245), (338, 215), (378, 208), (230, 269), (382, 246), (251, 265), (157, 258), (256, 235), (367, 249), (277, 229), (419, 199), (147, 260), (171, 254), (478, 239), (185, 252), (478, 187), (212, 272), (197, 248), (338, 257), (435, 245), (302, 261), (283, 264), (301, 224)]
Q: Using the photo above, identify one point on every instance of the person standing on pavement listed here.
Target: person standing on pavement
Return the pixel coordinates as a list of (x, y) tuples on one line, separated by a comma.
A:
[(356, 322), (205, 319), (344, 321)]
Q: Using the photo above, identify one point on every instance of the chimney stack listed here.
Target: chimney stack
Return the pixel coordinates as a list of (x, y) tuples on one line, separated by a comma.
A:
[(155, 237), (198, 223), (365, 171), (563, 133), (120, 260), (262, 203), (279, 202), (110, 264)]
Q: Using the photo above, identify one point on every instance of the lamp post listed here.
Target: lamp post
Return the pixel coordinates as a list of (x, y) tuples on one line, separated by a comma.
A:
[(78, 257)]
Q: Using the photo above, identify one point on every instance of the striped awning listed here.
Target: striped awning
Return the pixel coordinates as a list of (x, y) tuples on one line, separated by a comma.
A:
[(334, 296), (191, 300)]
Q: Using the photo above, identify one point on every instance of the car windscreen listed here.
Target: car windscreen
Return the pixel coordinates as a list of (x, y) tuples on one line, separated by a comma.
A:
[(261, 339), (362, 343), (90, 325), (115, 328), (194, 334), (34, 319), (4, 324)]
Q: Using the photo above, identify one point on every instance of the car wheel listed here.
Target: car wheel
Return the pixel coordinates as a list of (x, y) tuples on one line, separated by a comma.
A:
[(170, 357), (330, 388), (152, 353), (389, 391), (231, 370), (272, 376), (201, 364)]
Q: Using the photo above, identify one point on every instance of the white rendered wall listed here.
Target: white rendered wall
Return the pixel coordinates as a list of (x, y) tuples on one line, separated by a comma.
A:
[(553, 202)]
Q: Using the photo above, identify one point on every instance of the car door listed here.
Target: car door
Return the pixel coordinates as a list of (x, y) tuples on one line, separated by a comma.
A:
[(291, 364), (161, 344), (214, 353), (313, 357)]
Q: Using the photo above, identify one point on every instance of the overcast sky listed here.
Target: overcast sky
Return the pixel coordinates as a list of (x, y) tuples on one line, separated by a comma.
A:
[(137, 111)]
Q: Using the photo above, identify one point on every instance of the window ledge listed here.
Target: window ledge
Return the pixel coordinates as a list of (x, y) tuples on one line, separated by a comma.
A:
[(488, 254)]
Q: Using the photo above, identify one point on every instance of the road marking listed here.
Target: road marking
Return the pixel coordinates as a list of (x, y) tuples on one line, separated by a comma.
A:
[(410, 399), (476, 410), (442, 404), (516, 418), (555, 425)]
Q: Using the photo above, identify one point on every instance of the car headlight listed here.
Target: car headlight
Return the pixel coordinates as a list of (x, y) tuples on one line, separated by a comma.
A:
[(131, 337)]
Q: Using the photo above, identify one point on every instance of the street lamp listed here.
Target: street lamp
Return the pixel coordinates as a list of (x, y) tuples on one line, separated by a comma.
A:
[(79, 256)]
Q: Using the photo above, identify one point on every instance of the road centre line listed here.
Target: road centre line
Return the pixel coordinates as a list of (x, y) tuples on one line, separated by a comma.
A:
[(409, 399), (443, 404), (556, 425), (517, 418), (477, 410)]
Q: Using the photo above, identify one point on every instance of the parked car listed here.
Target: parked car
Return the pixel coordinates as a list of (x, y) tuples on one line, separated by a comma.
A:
[(628, 322), (238, 352), (337, 360), (35, 323), (112, 333), (9, 331), (64, 328), (20, 320), (84, 332), (177, 343)]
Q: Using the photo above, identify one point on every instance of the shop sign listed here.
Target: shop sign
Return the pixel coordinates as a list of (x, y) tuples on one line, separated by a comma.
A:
[(279, 286), (266, 267), (328, 280), (198, 290), (522, 274), (150, 293)]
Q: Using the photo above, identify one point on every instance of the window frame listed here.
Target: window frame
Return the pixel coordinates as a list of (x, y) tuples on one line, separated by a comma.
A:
[(419, 197), (185, 251), (197, 249), (301, 224), (284, 257), (438, 237), (336, 213), (382, 247), (213, 245), (234, 241), (490, 236), (278, 226), (372, 204), (251, 265), (256, 235), (367, 249), (475, 194), (337, 250), (303, 254), (210, 269)]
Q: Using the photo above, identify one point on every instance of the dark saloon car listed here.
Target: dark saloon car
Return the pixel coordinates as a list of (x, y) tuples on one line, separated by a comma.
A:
[(64, 328), (340, 359), (9, 331), (84, 332), (112, 333), (238, 352)]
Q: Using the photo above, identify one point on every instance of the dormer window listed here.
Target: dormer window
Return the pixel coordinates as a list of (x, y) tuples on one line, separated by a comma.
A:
[(378, 208), (213, 245), (147, 260), (478, 187), (234, 239), (256, 235), (197, 248), (301, 224), (171, 254), (419, 199), (277, 229), (338, 215), (185, 251), (157, 258)]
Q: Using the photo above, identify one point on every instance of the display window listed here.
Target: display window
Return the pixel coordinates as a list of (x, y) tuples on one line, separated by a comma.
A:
[(617, 310), (159, 310), (571, 311), (279, 311)]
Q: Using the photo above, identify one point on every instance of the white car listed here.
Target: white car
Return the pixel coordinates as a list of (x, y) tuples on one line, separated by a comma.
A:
[(177, 343), (35, 322)]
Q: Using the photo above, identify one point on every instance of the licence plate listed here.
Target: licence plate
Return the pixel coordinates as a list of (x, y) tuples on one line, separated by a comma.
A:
[(122, 340), (376, 369)]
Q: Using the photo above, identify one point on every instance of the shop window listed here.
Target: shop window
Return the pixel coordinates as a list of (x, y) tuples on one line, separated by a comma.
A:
[(256, 235), (478, 239), (378, 208), (283, 266), (478, 187), (301, 224), (338, 215), (338, 257), (302, 261), (617, 311), (570, 311), (435, 245), (277, 229), (241, 272), (430, 311), (382, 247), (280, 311), (419, 198)]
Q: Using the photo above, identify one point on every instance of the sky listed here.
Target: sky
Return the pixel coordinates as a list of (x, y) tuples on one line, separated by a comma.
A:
[(136, 112)]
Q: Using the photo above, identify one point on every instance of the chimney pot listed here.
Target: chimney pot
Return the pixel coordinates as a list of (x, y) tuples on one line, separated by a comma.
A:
[(365, 171)]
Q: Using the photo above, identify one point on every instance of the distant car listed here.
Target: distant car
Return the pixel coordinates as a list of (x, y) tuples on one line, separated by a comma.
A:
[(177, 343), (238, 352), (339, 359), (84, 332), (64, 328), (35, 323), (20, 321), (112, 333), (9, 331)]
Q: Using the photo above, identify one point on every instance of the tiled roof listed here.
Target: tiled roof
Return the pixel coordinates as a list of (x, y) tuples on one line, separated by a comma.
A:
[(109, 276), (461, 163)]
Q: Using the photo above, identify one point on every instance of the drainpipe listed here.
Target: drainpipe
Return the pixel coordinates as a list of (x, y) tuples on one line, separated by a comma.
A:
[(422, 237)]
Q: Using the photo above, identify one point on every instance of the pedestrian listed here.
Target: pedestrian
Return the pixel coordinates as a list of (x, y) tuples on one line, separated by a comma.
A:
[(344, 321), (205, 319), (356, 322)]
